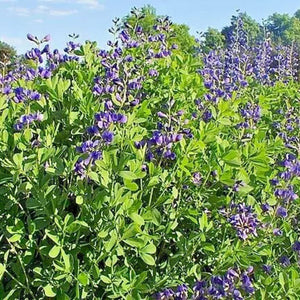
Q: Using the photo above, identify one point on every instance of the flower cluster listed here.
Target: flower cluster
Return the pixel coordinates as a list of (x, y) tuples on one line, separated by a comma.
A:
[(251, 113), (24, 71), (226, 70), (288, 126), (22, 95), (71, 46), (233, 285), (160, 145), (243, 220), (284, 190), (27, 119), (119, 78), (206, 114), (36, 54), (230, 69), (99, 131), (262, 68)]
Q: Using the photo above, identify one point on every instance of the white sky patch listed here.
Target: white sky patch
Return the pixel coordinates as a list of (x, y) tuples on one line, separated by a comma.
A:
[(62, 13), (91, 4), (42, 9), (53, 11), (19, 11)]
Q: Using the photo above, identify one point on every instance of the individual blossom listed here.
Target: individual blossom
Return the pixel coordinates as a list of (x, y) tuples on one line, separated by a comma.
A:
[(296, 246), (153, 73), (267, 268), (197, 178), (237, 185), (247, 284), (277, 232), (285, 261), (167, 294), (107, 136), (281, 212), (181, 292), (265, 207)]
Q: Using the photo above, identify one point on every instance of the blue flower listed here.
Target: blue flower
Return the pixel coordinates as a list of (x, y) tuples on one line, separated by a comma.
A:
[(281, 212), (107, 136), (247, 284), (296, 246), (267, 268), (285, 261)]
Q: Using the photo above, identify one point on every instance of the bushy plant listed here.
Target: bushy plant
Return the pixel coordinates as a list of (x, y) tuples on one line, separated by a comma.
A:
[(142, 171)]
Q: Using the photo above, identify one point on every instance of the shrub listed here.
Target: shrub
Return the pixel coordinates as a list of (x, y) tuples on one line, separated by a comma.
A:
[(125, 172)]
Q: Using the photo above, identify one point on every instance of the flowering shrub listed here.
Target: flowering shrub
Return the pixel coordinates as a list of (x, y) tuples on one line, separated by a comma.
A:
[(143, 171)]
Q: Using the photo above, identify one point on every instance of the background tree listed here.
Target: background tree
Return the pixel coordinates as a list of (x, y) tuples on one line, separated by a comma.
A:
[(212, 39), (279, 26), (180, 32), (7, 54)]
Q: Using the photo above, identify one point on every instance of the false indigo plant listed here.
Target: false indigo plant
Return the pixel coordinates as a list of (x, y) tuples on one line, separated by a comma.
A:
[(115, 165)]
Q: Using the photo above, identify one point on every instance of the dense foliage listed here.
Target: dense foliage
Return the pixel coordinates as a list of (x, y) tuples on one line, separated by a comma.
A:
[(147, 171)]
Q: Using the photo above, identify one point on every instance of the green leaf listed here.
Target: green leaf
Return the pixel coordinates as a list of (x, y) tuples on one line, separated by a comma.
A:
[(203, 221), (66, 259), (209, 247), (94, 176), (54, 251), (103, 234), (15, 238), (150, 249), (18, 159), (272, 201), (53, 237), (148, 259), (2, 270), (83, 279), (73, 116), (137, 219), (135, 242), (105, 279), (131, 231), (79, 200), (233, 158), (111, 243), (281, 280), (128, 175), (76, 225), (153, 181), (49, 292), (132, 186)]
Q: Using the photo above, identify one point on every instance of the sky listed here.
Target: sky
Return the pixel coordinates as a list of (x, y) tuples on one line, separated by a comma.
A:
[(92, 18)]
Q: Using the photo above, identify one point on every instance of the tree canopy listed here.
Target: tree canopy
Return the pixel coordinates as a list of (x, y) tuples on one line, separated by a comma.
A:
[(7, 54)]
